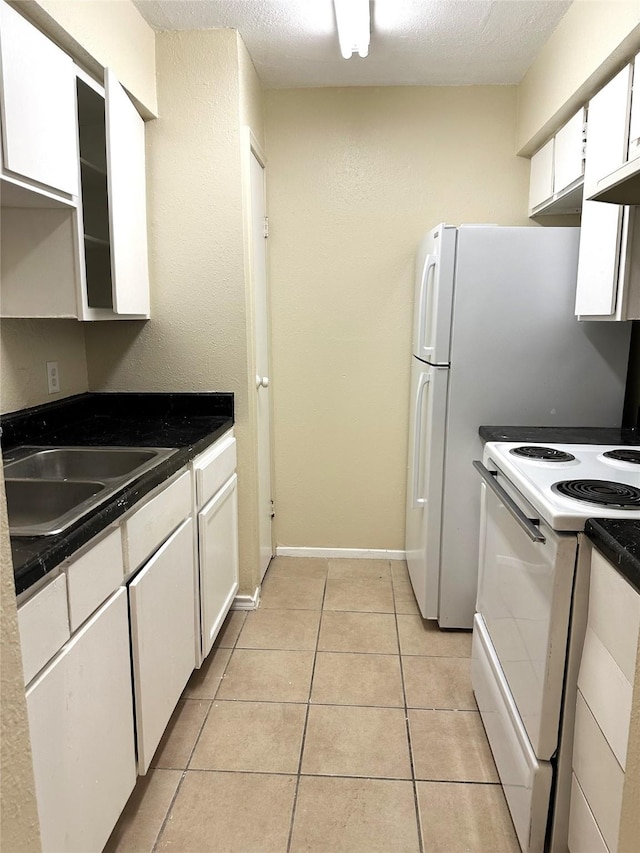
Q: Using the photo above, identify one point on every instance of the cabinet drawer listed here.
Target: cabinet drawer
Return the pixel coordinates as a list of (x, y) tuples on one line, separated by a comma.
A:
[(599, 774), (214, 467), (93, 576), (614, 614), (44, 626), (584, 835), (156, 520), (607, 693)]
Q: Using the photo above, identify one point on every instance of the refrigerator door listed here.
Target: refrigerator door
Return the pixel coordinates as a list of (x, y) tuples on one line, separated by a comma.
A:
[(433, 295), (424, 482)]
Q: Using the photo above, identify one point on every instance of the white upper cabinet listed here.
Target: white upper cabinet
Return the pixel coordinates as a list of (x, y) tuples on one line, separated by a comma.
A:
[(605, 273), (557, 170), (541, 179), (618, 180), (568, 158), (127, 201), (37, 108), (112, 220)]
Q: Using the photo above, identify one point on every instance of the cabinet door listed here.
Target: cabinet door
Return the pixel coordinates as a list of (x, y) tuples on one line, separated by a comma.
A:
[(218, 544), (541, 178), (568, 155), (602, 224), (162, 604), (81, 723), (634, 116), (127, 201), (38, 105)]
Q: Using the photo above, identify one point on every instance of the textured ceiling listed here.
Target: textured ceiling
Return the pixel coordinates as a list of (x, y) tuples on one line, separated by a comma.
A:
[(294, 43)]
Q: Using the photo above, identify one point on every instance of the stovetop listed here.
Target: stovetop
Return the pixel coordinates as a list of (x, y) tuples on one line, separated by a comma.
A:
[(570, 483)]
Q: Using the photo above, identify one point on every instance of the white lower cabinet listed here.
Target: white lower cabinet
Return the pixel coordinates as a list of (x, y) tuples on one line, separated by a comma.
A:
[(603, 710), (216, 504), (161, 600), (218, 546), (102, 656), (81, 722)]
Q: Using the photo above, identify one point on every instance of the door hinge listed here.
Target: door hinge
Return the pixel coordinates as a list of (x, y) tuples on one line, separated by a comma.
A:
[(273, 509), (266, 226)]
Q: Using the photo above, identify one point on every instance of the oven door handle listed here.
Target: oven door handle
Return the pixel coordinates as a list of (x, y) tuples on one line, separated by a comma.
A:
[(529, 525)]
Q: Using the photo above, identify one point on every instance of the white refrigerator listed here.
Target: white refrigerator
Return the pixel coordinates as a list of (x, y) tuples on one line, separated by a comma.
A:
[(495, 342)]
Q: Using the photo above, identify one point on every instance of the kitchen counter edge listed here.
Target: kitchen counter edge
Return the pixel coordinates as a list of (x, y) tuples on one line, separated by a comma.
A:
[(35, 557)]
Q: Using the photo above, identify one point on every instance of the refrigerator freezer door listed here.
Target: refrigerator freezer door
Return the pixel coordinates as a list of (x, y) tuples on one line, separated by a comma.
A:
[(434, 295), (424, 482)]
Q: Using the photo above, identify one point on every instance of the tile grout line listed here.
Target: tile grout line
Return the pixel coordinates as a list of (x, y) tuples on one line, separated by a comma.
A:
[(416, 803), (306, 718), (206, 717)]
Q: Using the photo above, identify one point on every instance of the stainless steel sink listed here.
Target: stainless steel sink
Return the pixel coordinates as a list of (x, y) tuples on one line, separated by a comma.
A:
[(50, 488), (80, 463), (46, 502)]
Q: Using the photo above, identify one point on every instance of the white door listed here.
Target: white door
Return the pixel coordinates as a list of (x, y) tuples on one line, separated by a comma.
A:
[(261, 327)]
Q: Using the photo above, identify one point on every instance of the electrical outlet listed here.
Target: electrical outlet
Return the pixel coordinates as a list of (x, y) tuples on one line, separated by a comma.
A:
[(53, 377)]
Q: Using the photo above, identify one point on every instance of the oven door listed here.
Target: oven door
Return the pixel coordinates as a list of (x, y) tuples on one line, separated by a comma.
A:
[(524, 600)]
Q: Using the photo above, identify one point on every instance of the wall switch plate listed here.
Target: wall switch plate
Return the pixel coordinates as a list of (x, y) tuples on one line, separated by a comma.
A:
[(53, 377)]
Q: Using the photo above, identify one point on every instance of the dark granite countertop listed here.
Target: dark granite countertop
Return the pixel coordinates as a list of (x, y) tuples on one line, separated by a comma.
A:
[(619, 541), (561, 435), (187, 422)]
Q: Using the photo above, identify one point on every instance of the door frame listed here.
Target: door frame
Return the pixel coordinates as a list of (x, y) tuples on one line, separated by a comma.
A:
[(251, 147)]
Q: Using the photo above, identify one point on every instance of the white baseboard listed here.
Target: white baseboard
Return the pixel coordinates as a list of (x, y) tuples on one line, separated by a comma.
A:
[(341, 553), (247, 602)]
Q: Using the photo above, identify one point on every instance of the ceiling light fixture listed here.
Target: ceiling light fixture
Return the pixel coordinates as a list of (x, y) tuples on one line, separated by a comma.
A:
[(354, 27)]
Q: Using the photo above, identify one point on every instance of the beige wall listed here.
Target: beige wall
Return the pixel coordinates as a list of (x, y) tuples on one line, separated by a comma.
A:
[(100, 34), (25, 348), (355, 176), (591, 42), (197, 339), (19, 827)]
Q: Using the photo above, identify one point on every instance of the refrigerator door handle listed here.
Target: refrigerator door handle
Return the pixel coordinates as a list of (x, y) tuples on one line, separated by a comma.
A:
[(425, 351), (418, 501)]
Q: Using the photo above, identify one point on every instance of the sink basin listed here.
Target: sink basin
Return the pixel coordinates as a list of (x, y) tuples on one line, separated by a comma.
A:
[(45, 504), (50, 488), (80, 463)]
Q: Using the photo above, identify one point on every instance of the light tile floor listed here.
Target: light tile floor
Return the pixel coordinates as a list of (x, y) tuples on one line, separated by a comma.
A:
[(333, 718)]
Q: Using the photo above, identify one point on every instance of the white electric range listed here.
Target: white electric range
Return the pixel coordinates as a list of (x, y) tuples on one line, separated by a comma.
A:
[(530, 612)]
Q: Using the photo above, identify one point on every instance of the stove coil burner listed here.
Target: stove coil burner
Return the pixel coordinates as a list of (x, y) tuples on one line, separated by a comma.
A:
[(544, 454), (601, 492), (624, 454)]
